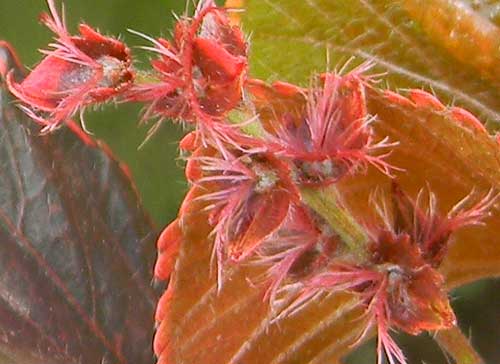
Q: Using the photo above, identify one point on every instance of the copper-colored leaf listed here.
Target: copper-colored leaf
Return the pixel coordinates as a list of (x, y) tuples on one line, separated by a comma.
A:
[(236, 324), (76, 249)]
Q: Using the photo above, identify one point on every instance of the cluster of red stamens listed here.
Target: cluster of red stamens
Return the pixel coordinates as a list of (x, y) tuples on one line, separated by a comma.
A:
[(305, 138)]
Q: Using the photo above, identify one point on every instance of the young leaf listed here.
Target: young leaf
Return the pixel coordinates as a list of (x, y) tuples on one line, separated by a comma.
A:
[(236, 324), (420, 44)]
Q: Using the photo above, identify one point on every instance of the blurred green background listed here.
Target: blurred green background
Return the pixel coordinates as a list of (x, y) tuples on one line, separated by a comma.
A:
[(156, 168)]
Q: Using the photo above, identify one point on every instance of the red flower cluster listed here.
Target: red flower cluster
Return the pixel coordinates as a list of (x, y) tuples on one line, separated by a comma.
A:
[(253, 149), (399, 284), (303, 138), (255, 183)]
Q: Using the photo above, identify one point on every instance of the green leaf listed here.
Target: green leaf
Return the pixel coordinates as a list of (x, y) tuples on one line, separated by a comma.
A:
[(407, 39)]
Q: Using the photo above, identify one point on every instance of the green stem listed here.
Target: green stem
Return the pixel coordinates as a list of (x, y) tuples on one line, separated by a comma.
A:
[(145, 77), (254, 128), (326, 203), (458, 346)]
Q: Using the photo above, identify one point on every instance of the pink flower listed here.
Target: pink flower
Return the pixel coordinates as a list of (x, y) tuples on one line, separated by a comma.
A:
[(324, 130), (199, 74), (371, 285), (428, 228), (416, 298), (303, 245), (250, 200), (77, 72)]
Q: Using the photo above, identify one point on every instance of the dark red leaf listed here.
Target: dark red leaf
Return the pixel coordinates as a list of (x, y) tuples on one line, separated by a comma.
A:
[(76, 251)]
